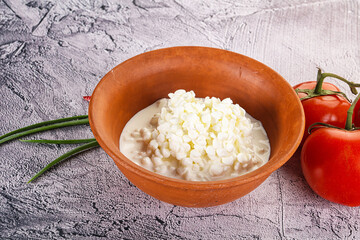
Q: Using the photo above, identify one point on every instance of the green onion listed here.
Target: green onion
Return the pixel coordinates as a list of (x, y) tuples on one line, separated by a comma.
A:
[(53, 124), (65, 156), (43, 124), (69, 141), (30, 129)]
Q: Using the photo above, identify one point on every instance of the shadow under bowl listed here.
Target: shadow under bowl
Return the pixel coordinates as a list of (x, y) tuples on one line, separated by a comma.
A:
[(143, 79)]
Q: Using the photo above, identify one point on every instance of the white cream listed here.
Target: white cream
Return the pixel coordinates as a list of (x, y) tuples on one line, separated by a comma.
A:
[(195, 139)]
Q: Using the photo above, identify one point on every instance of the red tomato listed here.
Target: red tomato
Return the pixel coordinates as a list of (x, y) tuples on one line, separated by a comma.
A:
[(330, 109), (356, 116), (330, 161)]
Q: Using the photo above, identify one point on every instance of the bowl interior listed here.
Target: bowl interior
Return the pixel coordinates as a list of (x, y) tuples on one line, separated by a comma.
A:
[(140, 81)]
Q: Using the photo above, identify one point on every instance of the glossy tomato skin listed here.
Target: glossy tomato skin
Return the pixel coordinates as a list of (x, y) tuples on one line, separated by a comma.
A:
[(331, 109), (330, 161), (356, 114)]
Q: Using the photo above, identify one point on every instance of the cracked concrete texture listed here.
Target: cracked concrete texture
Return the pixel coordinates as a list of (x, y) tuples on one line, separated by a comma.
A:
[(52, 53)]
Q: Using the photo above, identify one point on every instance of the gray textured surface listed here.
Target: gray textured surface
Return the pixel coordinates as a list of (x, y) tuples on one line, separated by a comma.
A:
[(52, 53)]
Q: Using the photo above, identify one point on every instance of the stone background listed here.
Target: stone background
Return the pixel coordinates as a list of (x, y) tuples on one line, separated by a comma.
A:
[(54, 52)]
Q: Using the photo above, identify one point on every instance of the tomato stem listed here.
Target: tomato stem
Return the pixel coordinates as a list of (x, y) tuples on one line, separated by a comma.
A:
[(318, 91), (350, 112), (352, 85), (319, 82), (322, 76)]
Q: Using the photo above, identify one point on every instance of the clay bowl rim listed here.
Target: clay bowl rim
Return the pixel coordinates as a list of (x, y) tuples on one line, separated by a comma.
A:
[(260, 173)]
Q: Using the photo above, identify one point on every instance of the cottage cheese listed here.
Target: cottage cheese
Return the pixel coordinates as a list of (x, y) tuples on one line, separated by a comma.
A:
[(196, 139)]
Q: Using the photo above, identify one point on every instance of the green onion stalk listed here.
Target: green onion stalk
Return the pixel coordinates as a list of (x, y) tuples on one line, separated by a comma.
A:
[(49, 125)]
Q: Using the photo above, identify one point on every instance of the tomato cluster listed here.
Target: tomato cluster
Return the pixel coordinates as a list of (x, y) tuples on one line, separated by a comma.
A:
[(330, 156)]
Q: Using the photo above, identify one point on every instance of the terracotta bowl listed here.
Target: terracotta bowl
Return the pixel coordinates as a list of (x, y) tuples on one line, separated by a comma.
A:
[(143, 79)]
